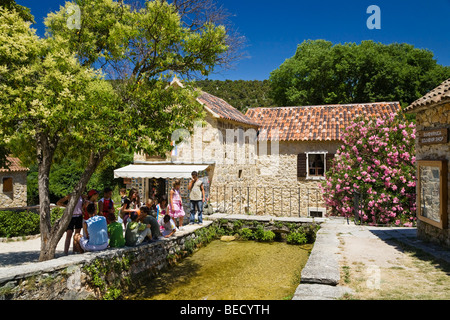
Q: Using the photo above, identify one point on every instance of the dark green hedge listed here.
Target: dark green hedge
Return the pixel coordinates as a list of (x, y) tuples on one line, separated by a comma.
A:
[(17, 224)]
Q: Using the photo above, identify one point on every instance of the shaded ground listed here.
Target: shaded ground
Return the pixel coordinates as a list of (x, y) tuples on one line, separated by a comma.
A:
[(17, 251)]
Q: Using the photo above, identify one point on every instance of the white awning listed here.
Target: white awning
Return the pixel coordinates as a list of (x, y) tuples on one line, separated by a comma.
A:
[(159, 171)]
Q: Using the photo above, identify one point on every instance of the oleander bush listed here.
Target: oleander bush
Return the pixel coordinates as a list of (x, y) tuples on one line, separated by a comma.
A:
[(377, 162)]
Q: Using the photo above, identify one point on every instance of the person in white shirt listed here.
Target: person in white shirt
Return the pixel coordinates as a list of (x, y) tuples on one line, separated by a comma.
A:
[(169, 227)]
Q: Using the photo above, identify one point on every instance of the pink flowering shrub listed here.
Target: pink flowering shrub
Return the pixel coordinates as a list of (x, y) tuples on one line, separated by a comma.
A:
[(377, 160)]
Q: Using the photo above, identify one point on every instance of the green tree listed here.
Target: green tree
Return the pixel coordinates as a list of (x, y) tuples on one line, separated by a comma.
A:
[(55, 104), (241, 94), (26, 15), (65, 173), (23, 12), (49, 102), (323, 73)]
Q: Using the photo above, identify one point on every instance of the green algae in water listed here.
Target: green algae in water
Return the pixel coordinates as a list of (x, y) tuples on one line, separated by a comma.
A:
[(237, 270)]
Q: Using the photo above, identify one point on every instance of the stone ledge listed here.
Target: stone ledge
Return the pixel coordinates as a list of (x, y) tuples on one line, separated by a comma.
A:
[(217, 216), (320, 292), (322, 266)]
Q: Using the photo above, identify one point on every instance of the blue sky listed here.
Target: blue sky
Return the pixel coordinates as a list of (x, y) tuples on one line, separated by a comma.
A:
[(273, 29)]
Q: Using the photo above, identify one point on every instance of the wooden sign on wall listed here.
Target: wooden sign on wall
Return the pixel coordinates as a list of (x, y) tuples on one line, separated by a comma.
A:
[(436, 136), (432, 192)]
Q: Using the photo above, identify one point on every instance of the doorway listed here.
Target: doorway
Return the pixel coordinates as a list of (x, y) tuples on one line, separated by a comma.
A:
[(156, 188)]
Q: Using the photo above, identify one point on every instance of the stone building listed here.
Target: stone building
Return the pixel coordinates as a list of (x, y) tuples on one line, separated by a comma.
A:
[(205, 151), (13, 188), (306, 140), (269, 161), (432, 156)]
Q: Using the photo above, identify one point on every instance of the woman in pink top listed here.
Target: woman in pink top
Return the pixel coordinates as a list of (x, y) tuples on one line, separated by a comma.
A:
[(176, 204)]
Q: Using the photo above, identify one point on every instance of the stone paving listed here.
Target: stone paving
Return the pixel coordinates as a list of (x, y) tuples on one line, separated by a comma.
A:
[(321, 275)]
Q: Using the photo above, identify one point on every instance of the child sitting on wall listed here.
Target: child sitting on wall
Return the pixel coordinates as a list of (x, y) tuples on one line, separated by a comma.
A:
[(169, 226), (115, 232), (95, 233), (136, 232), (147, 218)]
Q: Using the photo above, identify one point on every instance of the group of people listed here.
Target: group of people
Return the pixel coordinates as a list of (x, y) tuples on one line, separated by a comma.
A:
[(156, 218)]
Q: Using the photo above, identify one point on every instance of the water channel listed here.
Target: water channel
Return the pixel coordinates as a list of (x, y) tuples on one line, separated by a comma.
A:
[(237, 270)]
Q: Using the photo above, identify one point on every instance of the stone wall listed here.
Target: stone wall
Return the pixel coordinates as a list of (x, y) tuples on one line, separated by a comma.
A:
[(434, 117), (18, 197), (270, 185), (111, 273), (94, 275)]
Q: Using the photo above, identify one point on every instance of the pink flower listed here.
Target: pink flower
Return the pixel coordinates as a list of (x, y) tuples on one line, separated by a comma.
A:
[(407, 224), (411, 184)]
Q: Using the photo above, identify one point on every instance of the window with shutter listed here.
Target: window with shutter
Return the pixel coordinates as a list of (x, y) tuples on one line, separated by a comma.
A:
[(330, 157), (301, 165)]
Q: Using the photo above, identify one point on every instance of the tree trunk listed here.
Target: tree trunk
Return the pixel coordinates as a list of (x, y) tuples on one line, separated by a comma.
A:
[(44, 157), (51, 235)]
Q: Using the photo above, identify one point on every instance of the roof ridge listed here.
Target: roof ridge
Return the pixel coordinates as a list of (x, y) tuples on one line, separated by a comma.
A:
[(328, 105), (435, 96), (220, 110)]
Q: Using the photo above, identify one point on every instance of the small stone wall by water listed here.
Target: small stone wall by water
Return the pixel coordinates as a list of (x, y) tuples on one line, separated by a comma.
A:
[(111, 273)]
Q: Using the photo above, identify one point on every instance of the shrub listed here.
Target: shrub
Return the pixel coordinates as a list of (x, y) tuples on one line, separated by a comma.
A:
[(296, 238), (377, 161), (246, 234), (262, 235), (24, 223), (16, 224)]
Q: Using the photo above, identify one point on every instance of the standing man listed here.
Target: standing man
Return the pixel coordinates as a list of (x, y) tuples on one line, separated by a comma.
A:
[(197, 197)]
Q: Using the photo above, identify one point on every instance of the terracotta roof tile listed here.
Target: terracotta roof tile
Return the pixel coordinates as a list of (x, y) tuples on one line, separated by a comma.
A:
[(223, 109), (219, 107), (14, 166), (437, 95), (309, 123)]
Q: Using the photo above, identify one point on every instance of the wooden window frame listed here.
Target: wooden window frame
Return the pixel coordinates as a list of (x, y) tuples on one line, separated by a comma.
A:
[(443, 192), (316, 177)]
